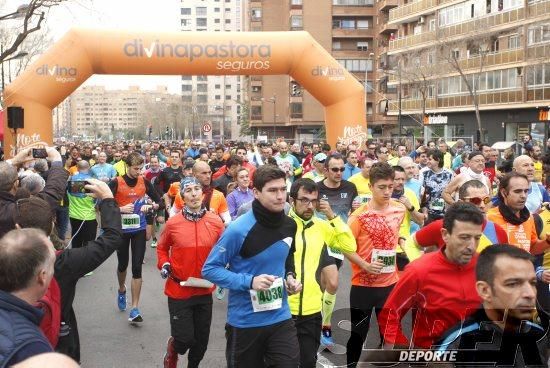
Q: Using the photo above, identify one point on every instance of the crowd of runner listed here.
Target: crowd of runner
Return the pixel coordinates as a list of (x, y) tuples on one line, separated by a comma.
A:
[(458, 235)]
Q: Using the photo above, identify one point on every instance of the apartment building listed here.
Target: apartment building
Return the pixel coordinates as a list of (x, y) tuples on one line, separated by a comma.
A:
[(446, 54), (348, 29), (214, 99), (96, 111)]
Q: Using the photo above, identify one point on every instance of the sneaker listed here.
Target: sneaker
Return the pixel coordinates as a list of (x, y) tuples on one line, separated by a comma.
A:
[(326, 337), (135, 316), (171, 356), (154, 243), (121, 300)]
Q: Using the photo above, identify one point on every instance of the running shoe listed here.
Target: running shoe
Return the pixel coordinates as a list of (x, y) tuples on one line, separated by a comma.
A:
[(121, 300), (154, 243), (170, 356), (326, 337), (135, 316)]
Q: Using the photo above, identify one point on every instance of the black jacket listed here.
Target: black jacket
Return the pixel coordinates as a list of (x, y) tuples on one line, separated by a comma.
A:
[(73, 264), (20, 337), (52, 193), (479, 341)]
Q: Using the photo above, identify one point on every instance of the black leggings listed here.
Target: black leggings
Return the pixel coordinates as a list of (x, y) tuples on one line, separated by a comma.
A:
[(85, 231), (361, 302), (137, 240)]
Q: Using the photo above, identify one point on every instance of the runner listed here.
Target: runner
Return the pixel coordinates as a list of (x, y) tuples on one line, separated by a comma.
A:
[(375, 226), (184, 245), (259, 249), (434, 179), (312, 239), (129, 192), (476, 165)]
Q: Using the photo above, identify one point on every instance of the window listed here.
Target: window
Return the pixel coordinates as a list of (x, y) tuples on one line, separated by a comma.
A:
[(539, 75), (185, 22), (202, 98), (185, 11), (356, 65), (228, 21), (336, 45), (201, 22), (256, 14), (362, 46), (216, 10), (513, 42), (186, 87), (202, 78), (296, 22), (228, 86), (369, 86), (202, 87), (218, 97), (431, 25), (227, 10), (362, 24), (256, 112), (186, 77), (455, 54), (217, 20), (296, 110), (228, 97), (431, 58), (539, 33), (296, 2), (201, 11), (217, 86), (353, 2), (256, 89)]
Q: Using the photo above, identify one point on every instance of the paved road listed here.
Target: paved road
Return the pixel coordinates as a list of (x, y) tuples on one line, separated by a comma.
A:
[(108, 340)]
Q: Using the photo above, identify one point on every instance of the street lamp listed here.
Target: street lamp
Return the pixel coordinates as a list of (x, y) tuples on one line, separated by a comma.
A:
[(19, 13), (273, 100)]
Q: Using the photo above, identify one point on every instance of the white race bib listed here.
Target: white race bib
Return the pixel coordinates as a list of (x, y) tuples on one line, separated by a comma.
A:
[(387, 257), (130, 221), (335, 253), (437, 205), (270, 299)]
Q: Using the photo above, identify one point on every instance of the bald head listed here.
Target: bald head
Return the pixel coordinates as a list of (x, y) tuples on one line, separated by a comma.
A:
[(524, 165), (202, 171)]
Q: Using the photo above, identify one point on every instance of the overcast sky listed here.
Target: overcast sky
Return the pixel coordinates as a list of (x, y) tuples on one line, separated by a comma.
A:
[(146, 15)]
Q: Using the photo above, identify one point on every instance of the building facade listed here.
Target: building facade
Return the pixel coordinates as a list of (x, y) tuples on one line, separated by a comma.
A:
[(213, 99), (98, 112), (446, 56)]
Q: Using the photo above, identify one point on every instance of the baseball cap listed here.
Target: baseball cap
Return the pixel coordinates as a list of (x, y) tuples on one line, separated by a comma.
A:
[(189, 180), (320, 157)]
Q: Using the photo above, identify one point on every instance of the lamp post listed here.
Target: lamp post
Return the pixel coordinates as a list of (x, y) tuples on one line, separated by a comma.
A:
[(273, 100)]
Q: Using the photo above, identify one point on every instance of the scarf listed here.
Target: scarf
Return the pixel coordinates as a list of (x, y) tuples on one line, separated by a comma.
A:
[(207, 192), (511, 217), (475, 176), (266, 217), (193, 216)]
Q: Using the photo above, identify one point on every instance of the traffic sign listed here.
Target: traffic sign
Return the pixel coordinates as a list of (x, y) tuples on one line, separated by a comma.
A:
[(207, 127)]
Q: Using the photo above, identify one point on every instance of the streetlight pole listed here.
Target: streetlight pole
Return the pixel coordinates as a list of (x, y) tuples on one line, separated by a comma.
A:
[(274, 117)]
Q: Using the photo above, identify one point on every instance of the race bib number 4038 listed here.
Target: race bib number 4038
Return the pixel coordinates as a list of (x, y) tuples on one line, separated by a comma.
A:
[(266, 300)]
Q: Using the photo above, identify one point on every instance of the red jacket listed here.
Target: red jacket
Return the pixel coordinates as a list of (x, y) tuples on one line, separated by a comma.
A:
[(246, 165), (443, 293), (186, 245)]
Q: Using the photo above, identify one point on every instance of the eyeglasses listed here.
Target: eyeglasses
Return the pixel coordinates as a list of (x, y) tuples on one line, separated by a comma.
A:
[(306, 202), (336, 169), (477, 201)]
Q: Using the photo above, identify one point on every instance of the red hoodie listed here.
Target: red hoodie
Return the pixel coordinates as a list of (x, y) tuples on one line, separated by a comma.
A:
[(443, 293), (186, 245)]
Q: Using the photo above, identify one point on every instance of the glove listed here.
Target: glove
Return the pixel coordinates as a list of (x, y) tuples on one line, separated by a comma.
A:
[(165, 271)]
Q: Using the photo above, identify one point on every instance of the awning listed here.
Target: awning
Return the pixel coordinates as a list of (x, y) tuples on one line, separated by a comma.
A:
[(501, 146)]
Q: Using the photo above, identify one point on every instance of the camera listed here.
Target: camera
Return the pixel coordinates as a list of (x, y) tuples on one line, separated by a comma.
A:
[(39, 153), (77, 187)]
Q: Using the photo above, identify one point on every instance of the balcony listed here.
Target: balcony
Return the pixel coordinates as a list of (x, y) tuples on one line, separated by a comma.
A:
[(412, 40), (339, 10), (538, 51), (349, 52), (412, 10), (538, 94), (388, 4), (352, 32), (387, 28)]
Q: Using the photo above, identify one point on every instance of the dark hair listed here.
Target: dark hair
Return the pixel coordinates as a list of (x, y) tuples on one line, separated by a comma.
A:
[(481, 145), (474, 183), (473, 154), (505, 182), (485, 268), (307, 185), (219, 147), (241, 147), (175, 151), (463, 212), (350, 152), (34, 212), (334, 156), (381, 171), (436, 155), (233, 160), (134, 159), (325, 147), (265, 174), (398, 168), (22, 253)]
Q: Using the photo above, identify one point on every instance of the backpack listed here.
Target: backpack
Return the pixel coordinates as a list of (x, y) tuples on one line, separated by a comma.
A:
[(50, 304)]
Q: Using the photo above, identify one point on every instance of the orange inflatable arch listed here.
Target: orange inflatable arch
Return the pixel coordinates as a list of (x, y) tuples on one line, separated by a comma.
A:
[(84, 52)]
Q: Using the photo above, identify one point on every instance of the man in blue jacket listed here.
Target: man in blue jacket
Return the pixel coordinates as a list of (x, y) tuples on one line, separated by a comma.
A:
[(259, 249), (26, 268)]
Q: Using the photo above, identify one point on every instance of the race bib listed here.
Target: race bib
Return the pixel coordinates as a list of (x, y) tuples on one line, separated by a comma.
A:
[(362, 198), (387, 257), (437, 205), (130, 221), (270, 299), (335, 253)]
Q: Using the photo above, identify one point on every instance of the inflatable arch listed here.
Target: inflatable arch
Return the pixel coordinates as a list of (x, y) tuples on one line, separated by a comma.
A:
[(84, 52)]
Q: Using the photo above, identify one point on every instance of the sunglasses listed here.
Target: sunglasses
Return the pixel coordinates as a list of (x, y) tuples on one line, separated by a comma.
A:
[(336, 169), (477, 201)]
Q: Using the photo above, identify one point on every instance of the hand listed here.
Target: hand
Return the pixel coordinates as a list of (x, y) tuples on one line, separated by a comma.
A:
[(160, 219), (129, 208), (405, 202), (262, 282), (145, 208), (374, 267), (546, 276), (99, 189), (165, 271), (292, 285), (22, 156), (324, 208)]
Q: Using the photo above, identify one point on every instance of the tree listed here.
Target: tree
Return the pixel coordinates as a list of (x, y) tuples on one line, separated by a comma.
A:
[(245, 130), (30, 18)]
